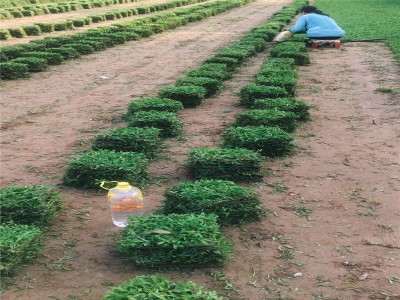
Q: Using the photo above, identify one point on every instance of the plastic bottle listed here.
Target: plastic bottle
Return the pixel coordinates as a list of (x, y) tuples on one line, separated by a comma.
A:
[(125, 201), (283, 36)]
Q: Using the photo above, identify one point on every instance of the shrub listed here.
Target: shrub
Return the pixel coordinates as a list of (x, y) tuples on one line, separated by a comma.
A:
[(146, 104), (251, 92), (32, 30), (174, 240), (17, 32), (10, 70), (18, 245), (300, 108), (145, 286), (46, 27), (232, 204), (269, 141), (130, 139), (267, 117), (227, 164), (4, 34), (30, 205), (51, 58), (34, 64), (211, 85), (92, 167), (189, 96), (168, 123)]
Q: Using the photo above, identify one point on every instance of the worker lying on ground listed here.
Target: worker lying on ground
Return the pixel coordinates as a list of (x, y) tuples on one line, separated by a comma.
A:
[(315, 24)]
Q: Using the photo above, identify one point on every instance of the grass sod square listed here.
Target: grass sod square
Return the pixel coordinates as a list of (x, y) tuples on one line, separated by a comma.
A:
[(18, 245), (211, 85), (210, 73), (267, 117), (174, 240), (268, 141), (251, 92), (145, 140), (300, 108), (226, 164), (147, 104), (230, 63), (288, 82), (232, 204), (156, 287), (280, 62), (36, 204), (189, 96), (169, 123), (89, 169)]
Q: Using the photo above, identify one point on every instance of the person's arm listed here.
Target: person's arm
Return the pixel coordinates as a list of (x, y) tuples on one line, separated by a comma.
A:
[(300, 26)]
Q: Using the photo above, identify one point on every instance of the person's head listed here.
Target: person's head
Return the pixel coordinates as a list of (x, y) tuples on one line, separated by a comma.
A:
[(308, 9)]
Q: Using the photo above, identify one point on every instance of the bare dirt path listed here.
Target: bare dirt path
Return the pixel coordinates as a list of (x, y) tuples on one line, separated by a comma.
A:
[(334, 205)]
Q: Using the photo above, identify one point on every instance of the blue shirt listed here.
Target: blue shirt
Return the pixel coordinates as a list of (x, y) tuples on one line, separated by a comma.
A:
[(315, 25)]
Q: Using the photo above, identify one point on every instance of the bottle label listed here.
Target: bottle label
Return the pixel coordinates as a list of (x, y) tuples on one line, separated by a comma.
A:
[(127, 204)]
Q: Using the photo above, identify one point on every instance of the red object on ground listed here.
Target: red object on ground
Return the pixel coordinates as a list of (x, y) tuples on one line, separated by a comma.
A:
[(324, 43)]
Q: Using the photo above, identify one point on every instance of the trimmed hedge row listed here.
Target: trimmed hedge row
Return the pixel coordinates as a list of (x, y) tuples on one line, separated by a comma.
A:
[(20, 9), (110, 36), (38, 28)]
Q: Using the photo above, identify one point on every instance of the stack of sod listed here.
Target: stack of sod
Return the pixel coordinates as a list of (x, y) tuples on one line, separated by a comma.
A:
[(168, 123), (146, 104), (18, 244), (300, 108), (295, 50), (251, 92), (269, 141), (92, 167), (188, 95), (131, 139), (147, 287), (174, 240), (226, 63), (267, 117), (232, 204), (286, 80), (227, 164), (31, 205), (211, 85)]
